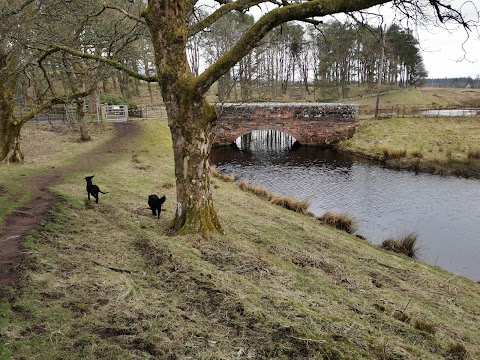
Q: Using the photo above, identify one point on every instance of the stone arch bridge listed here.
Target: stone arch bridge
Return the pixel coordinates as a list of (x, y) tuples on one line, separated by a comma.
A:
[(309, 123)]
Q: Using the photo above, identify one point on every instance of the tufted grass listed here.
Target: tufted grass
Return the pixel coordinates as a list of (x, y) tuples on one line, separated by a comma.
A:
[(406, 245), (342, 222)]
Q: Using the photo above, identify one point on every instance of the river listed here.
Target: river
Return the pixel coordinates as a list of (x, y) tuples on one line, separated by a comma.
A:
[(444, 211)]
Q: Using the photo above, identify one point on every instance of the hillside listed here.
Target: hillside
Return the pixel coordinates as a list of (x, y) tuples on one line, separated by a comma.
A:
[(108, 281)]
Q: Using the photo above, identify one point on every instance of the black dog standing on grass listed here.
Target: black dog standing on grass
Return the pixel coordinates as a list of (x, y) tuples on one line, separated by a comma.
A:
[(155, 204), (93, 189)]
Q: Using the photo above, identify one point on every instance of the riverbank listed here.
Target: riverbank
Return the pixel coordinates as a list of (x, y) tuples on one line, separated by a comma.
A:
[(443, 146), (108, 281)]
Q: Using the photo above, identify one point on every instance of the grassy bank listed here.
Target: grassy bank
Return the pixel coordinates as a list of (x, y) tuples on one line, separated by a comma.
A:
[(110, 283), (444, 146)]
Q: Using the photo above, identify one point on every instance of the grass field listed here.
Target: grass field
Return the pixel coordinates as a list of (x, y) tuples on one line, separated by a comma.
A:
[(109, 282), (445, 146)]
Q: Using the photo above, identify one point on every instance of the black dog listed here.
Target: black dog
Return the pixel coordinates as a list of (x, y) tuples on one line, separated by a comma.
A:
[(93, 189), (155, 204)]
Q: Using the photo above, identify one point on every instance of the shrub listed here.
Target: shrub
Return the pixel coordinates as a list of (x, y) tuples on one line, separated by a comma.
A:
[(111, 99), (406, 245), (339, 221)]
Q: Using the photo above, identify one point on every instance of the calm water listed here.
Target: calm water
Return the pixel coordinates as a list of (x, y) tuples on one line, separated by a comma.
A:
[(443, 211), (451, 112)]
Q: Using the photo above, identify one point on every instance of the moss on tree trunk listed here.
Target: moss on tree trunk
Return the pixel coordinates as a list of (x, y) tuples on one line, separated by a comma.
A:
[(9, 126), (191, 118), (10, 149), (192, 144)]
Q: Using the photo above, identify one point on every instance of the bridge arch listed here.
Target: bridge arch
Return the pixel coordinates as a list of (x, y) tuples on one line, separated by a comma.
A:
[(268, 137), (308, 123), (266, 128)]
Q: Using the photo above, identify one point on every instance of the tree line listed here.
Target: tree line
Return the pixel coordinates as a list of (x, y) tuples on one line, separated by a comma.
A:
[(325, 58)]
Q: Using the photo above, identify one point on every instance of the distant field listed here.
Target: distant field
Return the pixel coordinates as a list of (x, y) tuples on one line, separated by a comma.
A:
[(408, 102)]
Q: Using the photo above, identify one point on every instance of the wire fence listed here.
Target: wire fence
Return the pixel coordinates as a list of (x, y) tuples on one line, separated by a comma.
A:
[(64, 115)]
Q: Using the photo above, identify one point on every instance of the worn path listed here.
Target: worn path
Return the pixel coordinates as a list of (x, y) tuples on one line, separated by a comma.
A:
[(23, 220)]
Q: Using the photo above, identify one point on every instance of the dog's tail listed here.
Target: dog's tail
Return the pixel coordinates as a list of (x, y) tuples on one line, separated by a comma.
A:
[(102, 191)]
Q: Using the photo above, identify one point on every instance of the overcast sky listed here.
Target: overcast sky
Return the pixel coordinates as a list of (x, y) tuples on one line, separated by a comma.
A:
[(441, 49), (449, 50), (441, 52)]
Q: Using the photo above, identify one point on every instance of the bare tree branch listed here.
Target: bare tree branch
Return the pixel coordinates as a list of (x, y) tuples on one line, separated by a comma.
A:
[(101, 59), (123, 11), (227, 7)]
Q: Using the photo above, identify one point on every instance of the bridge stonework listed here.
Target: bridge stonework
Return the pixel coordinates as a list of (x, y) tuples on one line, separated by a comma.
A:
[(309, 123)]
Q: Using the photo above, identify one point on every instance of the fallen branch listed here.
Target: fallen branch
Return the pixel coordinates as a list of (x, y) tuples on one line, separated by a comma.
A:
[(112, 268)]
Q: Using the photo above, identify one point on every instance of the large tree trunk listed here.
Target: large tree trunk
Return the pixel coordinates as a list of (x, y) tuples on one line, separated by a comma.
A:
[(190, 117), (82, 122), (9, 137), (9, 126), (192, 136)]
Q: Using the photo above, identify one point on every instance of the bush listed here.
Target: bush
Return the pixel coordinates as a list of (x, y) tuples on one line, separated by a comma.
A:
[(339, 221), (406, 245), (111, 99)]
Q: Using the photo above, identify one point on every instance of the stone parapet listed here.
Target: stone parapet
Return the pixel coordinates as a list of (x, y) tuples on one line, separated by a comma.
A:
[(309, 123)]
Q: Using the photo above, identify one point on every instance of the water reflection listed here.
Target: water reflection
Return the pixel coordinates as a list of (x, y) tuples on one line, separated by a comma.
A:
[(450, 112), (265, 140), (444, 211)]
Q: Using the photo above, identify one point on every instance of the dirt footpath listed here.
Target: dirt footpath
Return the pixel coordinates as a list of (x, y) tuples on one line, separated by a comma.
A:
[(23, 220)]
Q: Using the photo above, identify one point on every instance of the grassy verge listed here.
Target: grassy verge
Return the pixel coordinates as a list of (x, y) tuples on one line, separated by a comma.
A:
[(45, 148), (445, 146), (13, 195), (109, 282)]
